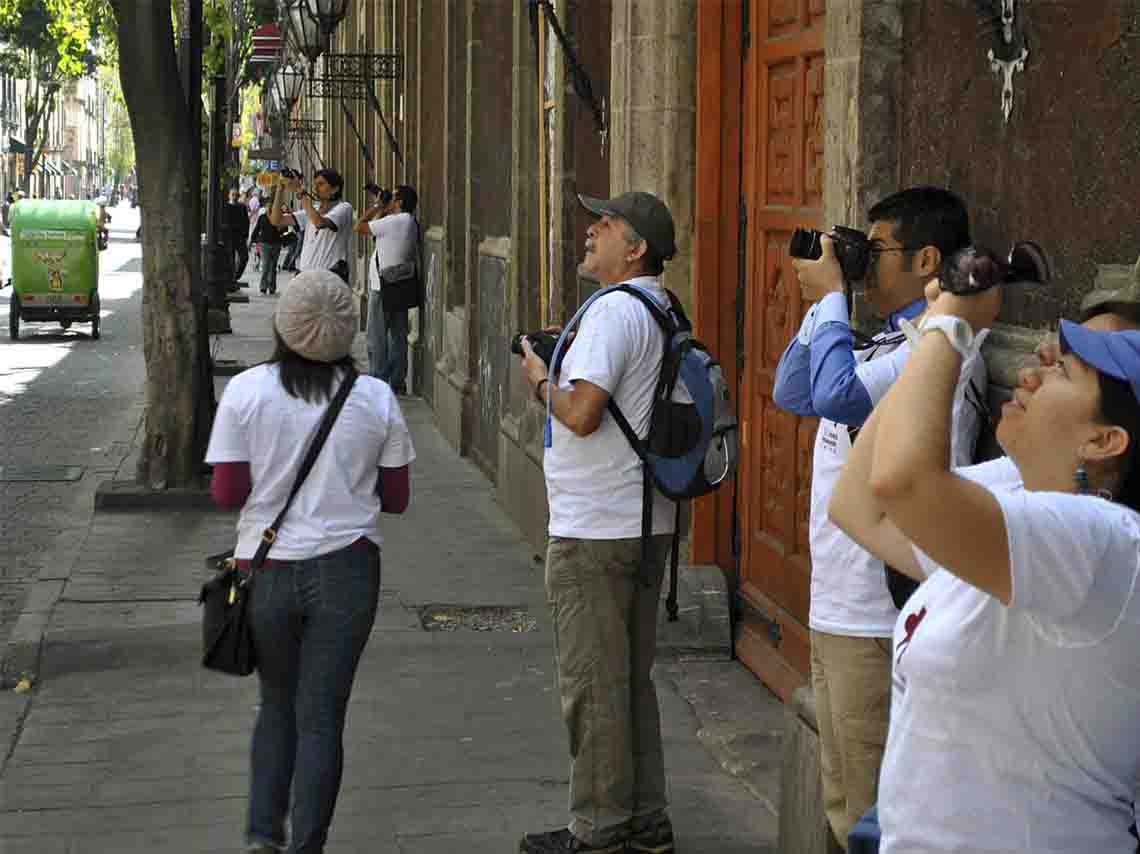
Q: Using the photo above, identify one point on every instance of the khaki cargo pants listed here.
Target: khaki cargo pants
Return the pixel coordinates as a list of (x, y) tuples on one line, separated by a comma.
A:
[(851, 679), (605, 637)]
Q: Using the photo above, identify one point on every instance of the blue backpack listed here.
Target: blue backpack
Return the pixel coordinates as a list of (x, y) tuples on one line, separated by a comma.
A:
[(692, 445)]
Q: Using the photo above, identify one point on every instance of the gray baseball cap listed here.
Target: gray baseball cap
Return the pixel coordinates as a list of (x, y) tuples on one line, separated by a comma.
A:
[(645, 212)]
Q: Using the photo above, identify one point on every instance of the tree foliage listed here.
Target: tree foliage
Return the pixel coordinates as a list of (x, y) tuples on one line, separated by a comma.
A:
[(48, 43)]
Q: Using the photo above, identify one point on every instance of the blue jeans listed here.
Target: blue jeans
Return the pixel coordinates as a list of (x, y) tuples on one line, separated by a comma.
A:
[(387, 342), (269, 253), (311, 620)]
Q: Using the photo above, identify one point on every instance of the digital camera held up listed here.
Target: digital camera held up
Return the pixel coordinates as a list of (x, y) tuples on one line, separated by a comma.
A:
[(852, 249), (542, 342), (973, 269)]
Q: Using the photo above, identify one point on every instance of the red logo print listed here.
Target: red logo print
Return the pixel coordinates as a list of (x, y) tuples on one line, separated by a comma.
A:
[(912, 621)]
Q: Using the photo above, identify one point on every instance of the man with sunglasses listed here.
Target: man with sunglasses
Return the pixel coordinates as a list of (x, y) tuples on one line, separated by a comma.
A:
[(825, 373)]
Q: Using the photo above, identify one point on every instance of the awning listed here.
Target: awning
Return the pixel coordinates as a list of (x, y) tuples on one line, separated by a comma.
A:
[(68, 169), (51, 168), (15, 146)]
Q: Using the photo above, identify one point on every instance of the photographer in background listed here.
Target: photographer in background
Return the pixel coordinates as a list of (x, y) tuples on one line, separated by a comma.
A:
[(605, 618), (822, 373), (324, 218), (380, 203), (392, 223)]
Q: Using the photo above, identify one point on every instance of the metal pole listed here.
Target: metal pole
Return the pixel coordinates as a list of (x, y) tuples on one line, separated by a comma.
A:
[(219, 271), (190, 64)]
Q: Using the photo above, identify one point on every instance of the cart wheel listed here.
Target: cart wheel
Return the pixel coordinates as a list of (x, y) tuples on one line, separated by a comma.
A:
[(14, 318), (95, 317)]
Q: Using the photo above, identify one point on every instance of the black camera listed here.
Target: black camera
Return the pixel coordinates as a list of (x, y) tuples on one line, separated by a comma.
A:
[(541, 342), (286, 172), (852, 249), (972, 270)]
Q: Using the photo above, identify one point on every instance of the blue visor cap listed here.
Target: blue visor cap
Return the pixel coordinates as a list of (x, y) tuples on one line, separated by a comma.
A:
[(1114, 353)]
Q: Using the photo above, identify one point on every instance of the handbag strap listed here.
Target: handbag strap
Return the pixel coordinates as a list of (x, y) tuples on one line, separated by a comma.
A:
[(269, 535)]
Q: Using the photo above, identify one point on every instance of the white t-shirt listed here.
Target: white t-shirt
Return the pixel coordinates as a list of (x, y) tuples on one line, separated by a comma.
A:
[(1014, 729), (323, 247), (259, 423), (595, 483), (849, 593), (396, 238)]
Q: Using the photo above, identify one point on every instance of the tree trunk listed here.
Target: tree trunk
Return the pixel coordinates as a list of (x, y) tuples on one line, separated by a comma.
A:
[(148, 72)]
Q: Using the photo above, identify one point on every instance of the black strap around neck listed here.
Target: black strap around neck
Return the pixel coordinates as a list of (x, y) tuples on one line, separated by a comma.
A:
[(269, 535)]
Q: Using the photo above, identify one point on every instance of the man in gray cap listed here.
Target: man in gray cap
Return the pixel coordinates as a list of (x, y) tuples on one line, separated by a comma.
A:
[(605, 620)]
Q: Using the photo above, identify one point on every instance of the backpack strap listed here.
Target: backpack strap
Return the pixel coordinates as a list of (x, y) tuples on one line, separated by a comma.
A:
[(670, 327)]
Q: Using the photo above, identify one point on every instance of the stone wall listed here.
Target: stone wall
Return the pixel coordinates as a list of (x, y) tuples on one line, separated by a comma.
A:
[(1065, 170)]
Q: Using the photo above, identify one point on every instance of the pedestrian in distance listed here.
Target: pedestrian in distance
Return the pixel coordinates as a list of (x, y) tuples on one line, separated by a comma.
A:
[(824, 373), (324, 218), (1015, 684), (267, 238), (396, 231), (314, 601), (237, 234), (604, 612)]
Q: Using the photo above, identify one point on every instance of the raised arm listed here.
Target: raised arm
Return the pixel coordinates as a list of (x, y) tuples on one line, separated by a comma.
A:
[(362, 224), (277, 215), (957, 522)]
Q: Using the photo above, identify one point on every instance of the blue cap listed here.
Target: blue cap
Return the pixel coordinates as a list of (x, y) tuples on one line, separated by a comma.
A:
[(1114, 353)]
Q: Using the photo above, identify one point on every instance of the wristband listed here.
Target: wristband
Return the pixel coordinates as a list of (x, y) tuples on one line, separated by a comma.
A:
[(538, 388), (956, 330)]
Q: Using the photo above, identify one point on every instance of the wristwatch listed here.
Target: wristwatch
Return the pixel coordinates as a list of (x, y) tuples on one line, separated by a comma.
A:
[(957, 331)]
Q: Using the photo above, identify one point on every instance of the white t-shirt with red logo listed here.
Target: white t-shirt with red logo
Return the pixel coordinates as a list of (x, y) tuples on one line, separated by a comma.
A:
[(1015, 728)]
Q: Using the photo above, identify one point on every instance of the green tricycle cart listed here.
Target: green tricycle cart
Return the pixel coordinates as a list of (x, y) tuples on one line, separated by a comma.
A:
[(55, 263)]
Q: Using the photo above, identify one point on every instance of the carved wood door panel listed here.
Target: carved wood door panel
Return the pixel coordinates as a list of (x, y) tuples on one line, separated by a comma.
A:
[(783, 189)]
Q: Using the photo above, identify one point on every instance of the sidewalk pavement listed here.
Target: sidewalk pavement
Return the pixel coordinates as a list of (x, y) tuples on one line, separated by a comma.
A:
[(453, 743)]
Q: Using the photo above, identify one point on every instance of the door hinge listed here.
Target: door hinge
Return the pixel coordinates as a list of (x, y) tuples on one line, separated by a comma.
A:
[(746, 24)]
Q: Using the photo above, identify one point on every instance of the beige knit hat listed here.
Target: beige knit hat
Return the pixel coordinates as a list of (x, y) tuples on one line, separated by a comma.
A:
[(316, 316)]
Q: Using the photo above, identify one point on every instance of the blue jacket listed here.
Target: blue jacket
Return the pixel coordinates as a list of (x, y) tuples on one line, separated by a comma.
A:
[(816, 374)]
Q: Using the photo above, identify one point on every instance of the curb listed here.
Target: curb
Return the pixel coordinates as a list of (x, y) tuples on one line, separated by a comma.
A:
[(229, 367), (130, 495)]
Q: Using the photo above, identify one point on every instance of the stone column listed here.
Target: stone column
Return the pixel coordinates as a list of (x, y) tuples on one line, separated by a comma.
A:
[(520, 487), (652, 115), (864, 52)]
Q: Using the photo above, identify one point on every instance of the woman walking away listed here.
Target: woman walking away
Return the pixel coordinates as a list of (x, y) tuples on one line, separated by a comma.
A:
[(1016, 683), (314, 601)]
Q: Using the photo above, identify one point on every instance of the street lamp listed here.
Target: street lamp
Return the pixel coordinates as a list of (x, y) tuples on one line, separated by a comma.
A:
[(303, 29), (287, 84), (328, 13)]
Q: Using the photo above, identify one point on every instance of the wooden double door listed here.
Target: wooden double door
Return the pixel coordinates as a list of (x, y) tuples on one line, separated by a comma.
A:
[(780, 179)]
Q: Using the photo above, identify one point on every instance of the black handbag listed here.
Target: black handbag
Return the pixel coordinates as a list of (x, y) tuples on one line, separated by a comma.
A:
[(227, 634), (401, 287)]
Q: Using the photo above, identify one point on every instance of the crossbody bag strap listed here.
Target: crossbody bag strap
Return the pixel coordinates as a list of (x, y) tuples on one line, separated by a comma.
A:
[(269, 535)]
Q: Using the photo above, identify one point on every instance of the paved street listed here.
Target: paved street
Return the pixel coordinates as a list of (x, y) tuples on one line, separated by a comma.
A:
[(454, 741), (66, 399)]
